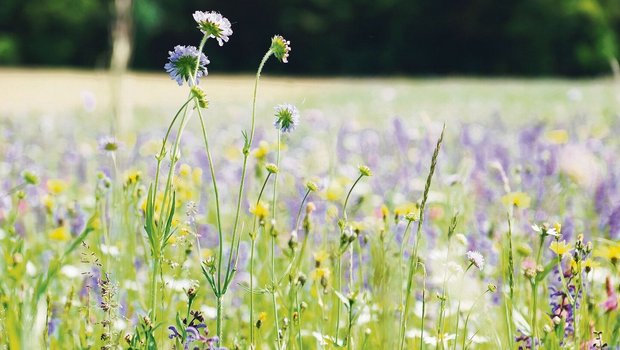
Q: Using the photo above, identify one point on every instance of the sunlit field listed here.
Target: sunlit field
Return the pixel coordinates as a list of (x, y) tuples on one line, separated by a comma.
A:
[(387, 213)]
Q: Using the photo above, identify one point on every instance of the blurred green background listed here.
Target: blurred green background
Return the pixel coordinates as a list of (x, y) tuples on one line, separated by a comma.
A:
[(329, 37)]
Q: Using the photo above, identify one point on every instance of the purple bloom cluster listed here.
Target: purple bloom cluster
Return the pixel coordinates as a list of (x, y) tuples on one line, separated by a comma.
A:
[(182, 64)]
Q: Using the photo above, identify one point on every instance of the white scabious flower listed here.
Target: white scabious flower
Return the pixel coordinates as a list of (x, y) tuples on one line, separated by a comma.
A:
[(286, 117), (214, 25), (476, 259)]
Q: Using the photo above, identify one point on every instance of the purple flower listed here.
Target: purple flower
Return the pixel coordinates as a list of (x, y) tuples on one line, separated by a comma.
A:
[(182, 64)]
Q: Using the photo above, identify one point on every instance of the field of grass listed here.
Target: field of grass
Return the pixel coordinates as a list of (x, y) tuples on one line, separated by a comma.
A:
[(378, 230)]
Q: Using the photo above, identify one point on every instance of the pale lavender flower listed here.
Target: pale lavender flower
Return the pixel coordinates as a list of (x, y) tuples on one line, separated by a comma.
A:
[(287, 117), (182, 64), (476, 259), (214, 25), (108, 144)]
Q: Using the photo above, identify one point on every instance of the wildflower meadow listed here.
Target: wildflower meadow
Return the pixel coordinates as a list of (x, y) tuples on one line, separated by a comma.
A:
[(248, 226)]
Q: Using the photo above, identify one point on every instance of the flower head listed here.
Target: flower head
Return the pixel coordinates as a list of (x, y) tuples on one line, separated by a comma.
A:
[(108, 144), (517, 199), (280, 48), (560, 248), (476, 259), (213, 25), (364, 170), (200, 96), (286, 117), (182, 64)]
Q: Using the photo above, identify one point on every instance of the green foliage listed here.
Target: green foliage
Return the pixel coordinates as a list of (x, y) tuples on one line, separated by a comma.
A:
[(531, 37)]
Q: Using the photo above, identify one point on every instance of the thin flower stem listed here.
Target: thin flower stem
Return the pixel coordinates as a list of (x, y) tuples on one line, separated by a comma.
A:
[(468, 315), (215, 192), (340, 252), (160, 156), (301, 344), (274, 202), (346, 201), (248, 144), (253, 243)]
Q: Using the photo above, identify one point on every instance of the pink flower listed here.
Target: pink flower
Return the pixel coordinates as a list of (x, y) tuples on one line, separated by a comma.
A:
[(611, 303)]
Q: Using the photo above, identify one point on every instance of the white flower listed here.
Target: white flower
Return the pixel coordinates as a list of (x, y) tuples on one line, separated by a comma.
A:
[(214, 25), (476, 258)]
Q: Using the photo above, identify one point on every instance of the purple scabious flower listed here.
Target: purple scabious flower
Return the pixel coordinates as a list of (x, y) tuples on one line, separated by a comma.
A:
[(213, 25), (286, 117), (182, 64)]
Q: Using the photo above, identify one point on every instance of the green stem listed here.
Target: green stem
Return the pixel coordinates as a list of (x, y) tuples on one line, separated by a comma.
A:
[(467, 318), (346, 201), (246, 148), (253, 243), (273, 292), (153, 295), (534, 313), (216, 194), (160, 156), (220, 319), (339, 280)]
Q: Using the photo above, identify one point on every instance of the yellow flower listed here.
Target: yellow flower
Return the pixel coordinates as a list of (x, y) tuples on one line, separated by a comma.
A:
[(262, 316), (558, 136), (517, 199), (59, 234), (612, 253), (56, 186), (261, 210), (197, 176), (589, 264), (320, 273), (262, 150), (320, 257), (184, 170), (559, 248), (334, 192), (385, 212), (133, 177), (406, 208)]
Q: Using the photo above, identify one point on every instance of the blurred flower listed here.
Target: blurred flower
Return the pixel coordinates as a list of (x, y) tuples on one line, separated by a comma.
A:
[(56, 186), (261, 210), (611, 303), (182, 63), (558, 136), (476, 259), (287, 117), (560, 248), (59, 234), (213, 25), (517, 199), (108, 144), (280, 48)]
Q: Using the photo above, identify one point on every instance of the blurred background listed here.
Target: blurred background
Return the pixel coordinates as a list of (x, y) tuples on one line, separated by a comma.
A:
[(568, 38)]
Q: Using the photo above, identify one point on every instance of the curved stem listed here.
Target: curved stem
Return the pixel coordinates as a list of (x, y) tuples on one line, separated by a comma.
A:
[(248, 142), (346, 201)]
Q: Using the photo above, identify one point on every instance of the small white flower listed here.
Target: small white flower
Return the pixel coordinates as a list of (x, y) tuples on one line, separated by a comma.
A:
[(214, 25), (476, 259)]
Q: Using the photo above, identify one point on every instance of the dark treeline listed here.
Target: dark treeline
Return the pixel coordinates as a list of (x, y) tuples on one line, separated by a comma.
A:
[(352, 37)]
